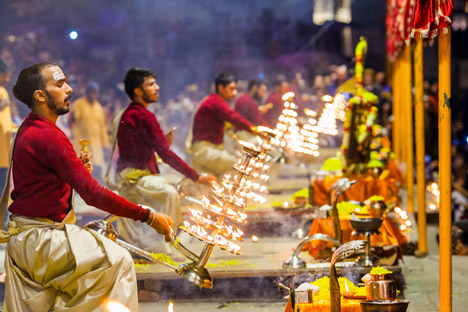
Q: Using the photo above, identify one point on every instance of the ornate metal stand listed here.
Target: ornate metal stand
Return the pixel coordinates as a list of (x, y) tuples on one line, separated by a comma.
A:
[(367, 227)]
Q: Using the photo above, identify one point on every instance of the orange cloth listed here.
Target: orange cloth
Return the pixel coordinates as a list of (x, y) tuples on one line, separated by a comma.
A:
[(364, 188), (395, 173), (347, 305), (389, 235)]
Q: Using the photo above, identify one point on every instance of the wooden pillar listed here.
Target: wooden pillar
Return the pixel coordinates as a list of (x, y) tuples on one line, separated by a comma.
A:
[(420, 145), (396, 125), (445, 206), (407, 137)]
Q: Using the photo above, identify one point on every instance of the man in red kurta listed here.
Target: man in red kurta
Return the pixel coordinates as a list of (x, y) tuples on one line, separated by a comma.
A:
[(247, 103), (51, 264), (208, 154), (280, 87), (139, 137)]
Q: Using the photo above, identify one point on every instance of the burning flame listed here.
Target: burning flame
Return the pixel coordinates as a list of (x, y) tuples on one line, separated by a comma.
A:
[(346, 286), (110, 305), (170, 307), (287, 96), (247, 145), (254, 239)]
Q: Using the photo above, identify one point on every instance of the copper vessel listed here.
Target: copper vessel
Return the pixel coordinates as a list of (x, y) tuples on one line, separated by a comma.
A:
[(381, 287)]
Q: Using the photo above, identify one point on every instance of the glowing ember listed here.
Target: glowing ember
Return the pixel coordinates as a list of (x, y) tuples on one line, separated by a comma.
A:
[(254, 239), (170, 307), (110, 305)]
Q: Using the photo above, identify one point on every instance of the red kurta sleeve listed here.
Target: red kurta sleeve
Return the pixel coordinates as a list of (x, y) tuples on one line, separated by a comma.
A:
[(158, 140), (227, 114), (248, 108), (62, 159)]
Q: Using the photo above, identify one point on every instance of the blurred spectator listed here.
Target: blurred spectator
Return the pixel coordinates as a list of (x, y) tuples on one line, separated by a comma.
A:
[(274, 100), (6, 123), (247, 103), (88, 121)]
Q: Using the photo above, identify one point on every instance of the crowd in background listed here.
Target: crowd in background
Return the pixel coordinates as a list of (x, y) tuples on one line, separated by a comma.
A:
[(185, 67)]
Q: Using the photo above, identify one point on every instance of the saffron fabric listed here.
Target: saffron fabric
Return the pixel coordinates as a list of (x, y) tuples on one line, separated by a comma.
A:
[(55, 266)]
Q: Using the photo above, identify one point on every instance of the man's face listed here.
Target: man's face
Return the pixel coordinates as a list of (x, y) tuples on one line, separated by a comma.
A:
[(284, 87), (262, 90), (150, 90), (57, 90), (4, 78), (229, 91)]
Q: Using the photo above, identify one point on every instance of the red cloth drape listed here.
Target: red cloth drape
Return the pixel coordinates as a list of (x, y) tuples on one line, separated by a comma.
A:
[(430, 17), (399, 25), (407, 19)]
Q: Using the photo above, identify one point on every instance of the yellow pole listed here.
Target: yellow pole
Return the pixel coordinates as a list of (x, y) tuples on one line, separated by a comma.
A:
[(396, 111), (408, 139), (445, 206), (420, 165)]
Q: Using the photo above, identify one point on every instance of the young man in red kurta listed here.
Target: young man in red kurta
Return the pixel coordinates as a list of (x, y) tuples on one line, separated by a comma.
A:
[(139, 137), (208, 153), (247, 103), (51, 264), (280, 87)]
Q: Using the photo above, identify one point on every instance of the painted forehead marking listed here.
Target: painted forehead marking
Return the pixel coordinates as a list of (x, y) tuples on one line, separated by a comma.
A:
[(58, 75)]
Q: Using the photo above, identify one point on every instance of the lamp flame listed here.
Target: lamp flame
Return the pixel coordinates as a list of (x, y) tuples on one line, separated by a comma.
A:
[(346, 286), (110, 305), (170, 307)]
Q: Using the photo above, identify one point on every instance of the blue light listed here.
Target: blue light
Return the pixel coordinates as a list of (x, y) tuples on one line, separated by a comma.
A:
[(73, 35), (261, 75), (466, 139)]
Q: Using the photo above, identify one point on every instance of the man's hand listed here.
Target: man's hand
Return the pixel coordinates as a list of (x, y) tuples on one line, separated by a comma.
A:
[(86, 159), (207, 179), (161, 223), (170, 136), (265, 108)]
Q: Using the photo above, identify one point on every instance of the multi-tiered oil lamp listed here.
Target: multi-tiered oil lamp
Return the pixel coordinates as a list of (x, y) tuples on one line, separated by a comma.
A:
[(228, 206), (210, 227)]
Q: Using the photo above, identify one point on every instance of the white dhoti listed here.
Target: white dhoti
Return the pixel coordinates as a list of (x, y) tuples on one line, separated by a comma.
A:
[(54, 266), (154, 191), (211, 158)]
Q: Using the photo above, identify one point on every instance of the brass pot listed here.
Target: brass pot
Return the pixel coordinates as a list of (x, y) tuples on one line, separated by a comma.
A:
[(377, 208), (381, 287)]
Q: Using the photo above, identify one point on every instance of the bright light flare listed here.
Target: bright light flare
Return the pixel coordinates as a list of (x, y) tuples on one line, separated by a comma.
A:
[(346, 286), (287, 96), (110, 305), (170, 307), (327, 98), (73, 35), (254, 239)]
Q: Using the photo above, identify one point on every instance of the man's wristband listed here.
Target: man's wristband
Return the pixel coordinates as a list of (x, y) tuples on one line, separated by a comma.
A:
[(151, 217)]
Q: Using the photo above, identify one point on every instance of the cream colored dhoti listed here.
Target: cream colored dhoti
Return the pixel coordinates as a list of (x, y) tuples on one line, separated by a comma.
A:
[(54, 266), (210, 158), (141, 187)]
